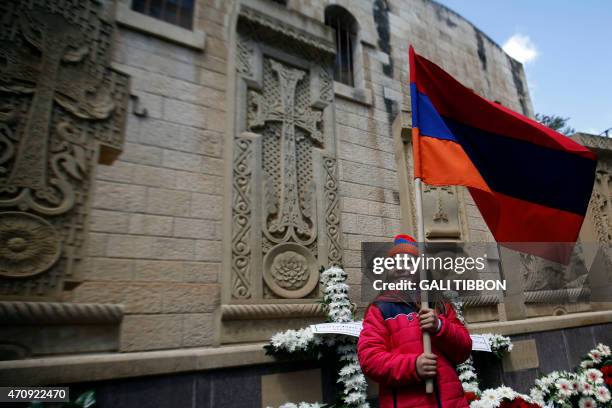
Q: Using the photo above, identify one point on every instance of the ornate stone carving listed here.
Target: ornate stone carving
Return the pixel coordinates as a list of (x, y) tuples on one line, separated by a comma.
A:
[(28, 244), (600, 206), (290, 270), (58, 313), (441, 212), (332, 211), (285, 211), (284, 30), (60, 103), (288, 217), (272, 311), (244, 57), (241, 220)]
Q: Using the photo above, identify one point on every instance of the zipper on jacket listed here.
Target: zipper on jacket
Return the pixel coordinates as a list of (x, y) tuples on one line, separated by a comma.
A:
[(394, 398)]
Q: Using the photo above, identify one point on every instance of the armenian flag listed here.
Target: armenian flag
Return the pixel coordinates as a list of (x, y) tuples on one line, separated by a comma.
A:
[(530, 183)]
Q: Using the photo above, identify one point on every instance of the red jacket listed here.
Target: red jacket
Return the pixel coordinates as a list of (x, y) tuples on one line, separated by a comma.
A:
[(388, 347)]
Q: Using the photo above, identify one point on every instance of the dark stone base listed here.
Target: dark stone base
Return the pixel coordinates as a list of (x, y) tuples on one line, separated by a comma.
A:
[(241, 387)]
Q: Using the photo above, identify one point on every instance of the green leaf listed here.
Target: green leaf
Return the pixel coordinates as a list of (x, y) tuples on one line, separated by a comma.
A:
[(86, 399)]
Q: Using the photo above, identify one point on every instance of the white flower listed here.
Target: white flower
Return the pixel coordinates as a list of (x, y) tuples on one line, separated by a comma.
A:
[(595, 355), (587, 402), (490, 398), (467, 375), (506, 392), (602, 394), (565, 387), (593, 375), (603, 349), (470, 387), (586, 387), (537, 395), (587, 364)]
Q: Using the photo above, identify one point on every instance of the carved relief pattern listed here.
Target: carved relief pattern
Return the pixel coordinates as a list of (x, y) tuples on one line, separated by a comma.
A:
[(290, 129), (292, 224), (600, 205), (327, 86), (288, 87), (441, 212), (290, 270), (59, 99), (332, 211), (244, 55), (241, 220)]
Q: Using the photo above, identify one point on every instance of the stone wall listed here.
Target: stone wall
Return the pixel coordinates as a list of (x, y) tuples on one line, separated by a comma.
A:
[(155, 240), (156, 235)]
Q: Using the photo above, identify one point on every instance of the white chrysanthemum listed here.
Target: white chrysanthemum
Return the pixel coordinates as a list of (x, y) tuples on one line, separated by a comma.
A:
[(564, 387), (603, 349), (537, 395), (467, 375), (470, 387), (506, 392), (491, 398), (593, 375), (587, 402), (602, 394)]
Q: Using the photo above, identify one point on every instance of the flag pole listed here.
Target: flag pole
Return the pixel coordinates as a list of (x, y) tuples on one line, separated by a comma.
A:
[(422, 271)]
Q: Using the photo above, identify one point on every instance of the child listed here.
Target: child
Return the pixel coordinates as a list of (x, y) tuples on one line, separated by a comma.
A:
[(390, 347)]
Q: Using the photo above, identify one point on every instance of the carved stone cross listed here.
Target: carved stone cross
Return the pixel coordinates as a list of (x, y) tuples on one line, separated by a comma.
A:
[(290, 219), (54, 75)]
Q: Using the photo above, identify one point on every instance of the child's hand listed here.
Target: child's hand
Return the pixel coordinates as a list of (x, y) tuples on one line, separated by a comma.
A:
[(426, 365), (428, 320)]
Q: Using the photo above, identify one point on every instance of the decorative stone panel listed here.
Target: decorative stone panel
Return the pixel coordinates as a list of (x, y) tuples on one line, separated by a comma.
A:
[(62, 109), (285, 214)]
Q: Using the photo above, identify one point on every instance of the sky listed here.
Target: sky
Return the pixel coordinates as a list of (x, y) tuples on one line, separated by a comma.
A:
[(566, 50)]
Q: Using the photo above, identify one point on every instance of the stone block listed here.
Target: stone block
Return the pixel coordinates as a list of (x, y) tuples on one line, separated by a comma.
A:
[(173, 248), (203, 229), (201, 272), (122, 197), (190, 298), (150, 332), (524, 356), (138, 153), (303, 385), (198, 329), (200, 183), (207, 206), (109, 221), (182, 160), (158, 271), (130, 246), (168, 202), (185, 113), (150, 224), (207, 250), (154, 176), (108, 269)]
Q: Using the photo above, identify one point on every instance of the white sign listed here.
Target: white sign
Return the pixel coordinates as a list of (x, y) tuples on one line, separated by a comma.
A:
[(350, 329), (480, 342)]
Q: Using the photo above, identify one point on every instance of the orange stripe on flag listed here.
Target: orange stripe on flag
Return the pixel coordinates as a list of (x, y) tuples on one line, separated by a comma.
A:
[(442, 162)]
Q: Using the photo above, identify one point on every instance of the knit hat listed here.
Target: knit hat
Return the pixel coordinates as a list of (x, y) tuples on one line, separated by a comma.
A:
[(404, 244)]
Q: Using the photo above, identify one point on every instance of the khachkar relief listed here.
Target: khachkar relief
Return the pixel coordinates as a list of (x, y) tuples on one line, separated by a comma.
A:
[(285, 209), (62, 108), (441, 213)]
